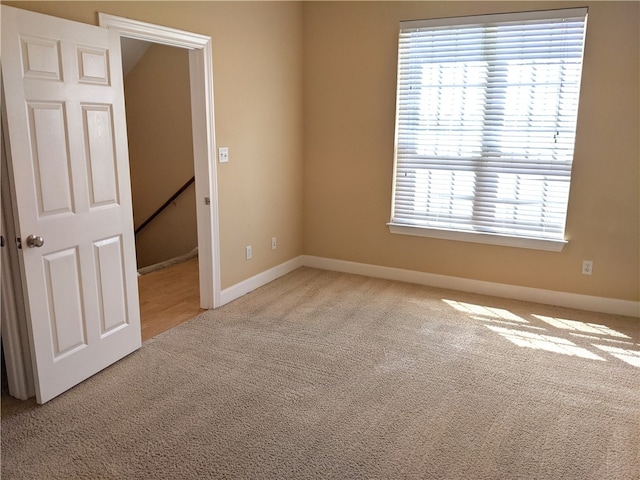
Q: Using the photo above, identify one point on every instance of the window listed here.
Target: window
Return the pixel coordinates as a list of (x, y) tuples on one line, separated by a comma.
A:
[(485, 127)]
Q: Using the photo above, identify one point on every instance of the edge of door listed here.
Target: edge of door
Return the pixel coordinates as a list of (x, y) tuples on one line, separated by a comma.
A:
[(202, 118), (13, 328)]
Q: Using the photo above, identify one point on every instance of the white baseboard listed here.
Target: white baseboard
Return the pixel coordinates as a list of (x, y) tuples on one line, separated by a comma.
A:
[(549, 297), (528, 294), (239, 289)]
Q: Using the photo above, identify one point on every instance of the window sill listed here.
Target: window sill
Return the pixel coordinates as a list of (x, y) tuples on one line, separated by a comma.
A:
[(477, 237)]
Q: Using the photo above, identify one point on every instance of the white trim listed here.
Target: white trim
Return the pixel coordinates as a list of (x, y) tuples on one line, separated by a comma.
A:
[(17, 369), (203, 125), (250, 284), (152, 33), (13, 322), (549, 297), (496, 17), (548, 245)]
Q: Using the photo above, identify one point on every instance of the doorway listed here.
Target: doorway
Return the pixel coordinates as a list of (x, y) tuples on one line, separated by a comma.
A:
[(201, 83), (201, 88), (159, 130)]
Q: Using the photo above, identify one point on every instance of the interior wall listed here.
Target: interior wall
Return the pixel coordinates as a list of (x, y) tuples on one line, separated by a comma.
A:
[(158, 105), (257, 75), (350, 51), (325, 72)]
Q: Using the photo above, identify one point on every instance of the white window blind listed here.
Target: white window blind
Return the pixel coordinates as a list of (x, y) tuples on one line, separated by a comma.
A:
[(486, 121)]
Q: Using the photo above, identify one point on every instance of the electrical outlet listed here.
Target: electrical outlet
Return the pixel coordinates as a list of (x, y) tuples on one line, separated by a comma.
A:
[(274, 243), (249, 252), (587, 267)]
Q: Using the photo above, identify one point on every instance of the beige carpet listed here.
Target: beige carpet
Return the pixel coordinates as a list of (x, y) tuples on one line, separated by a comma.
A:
[(328, 375)]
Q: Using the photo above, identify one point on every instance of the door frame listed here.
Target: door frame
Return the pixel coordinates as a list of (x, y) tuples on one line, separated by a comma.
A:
[(17, 353), (13, 324), (203, 126)]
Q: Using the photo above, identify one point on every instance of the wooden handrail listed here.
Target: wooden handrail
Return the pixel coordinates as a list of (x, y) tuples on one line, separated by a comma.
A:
[(165, 204)]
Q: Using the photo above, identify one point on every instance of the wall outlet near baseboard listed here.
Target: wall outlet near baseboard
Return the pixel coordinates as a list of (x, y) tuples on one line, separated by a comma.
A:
[(274, 243), (587, 267), (249, 252)]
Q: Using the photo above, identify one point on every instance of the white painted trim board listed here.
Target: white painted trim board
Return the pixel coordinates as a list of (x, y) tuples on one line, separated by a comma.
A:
[(242, 288), (528, 294), (203, 125)]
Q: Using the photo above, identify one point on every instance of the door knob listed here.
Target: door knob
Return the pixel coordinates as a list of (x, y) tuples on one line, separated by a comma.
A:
[(34, 241)]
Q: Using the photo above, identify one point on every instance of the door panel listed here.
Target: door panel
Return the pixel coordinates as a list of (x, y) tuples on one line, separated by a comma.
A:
[(69, 164), (101, 161), (93, 64), (41, 58), (51, 163), (111, 284), (64, 299)]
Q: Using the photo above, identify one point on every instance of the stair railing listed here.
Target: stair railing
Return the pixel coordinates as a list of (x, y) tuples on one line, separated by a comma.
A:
[(165, 205)]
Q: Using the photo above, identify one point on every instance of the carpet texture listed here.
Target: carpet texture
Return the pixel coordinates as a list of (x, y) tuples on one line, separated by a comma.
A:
[(328, 375)]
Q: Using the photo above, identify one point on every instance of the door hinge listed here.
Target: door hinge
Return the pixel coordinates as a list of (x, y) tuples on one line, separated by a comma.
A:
[(207, 201), (1, 240)]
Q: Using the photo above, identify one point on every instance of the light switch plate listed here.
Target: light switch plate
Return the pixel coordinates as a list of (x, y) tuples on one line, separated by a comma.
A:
[(223, 154)]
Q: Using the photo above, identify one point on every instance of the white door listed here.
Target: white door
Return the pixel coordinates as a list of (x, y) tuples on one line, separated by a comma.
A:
[(68, 155)]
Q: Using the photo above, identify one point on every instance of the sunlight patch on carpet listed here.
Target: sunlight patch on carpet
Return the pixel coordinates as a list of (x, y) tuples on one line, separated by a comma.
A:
[(580, 326), (479, 310), (544, 342), (632, 357)]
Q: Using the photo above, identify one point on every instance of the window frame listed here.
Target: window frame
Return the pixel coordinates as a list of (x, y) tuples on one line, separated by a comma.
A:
[(476, 236)]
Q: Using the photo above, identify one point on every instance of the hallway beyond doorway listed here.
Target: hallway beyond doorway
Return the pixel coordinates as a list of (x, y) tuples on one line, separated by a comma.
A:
[(168, 297)]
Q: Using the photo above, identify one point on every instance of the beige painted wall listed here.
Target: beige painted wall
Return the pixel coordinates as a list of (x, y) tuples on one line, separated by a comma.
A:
[(158, 105), (257, 67), (337, 60), (349, 107)]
